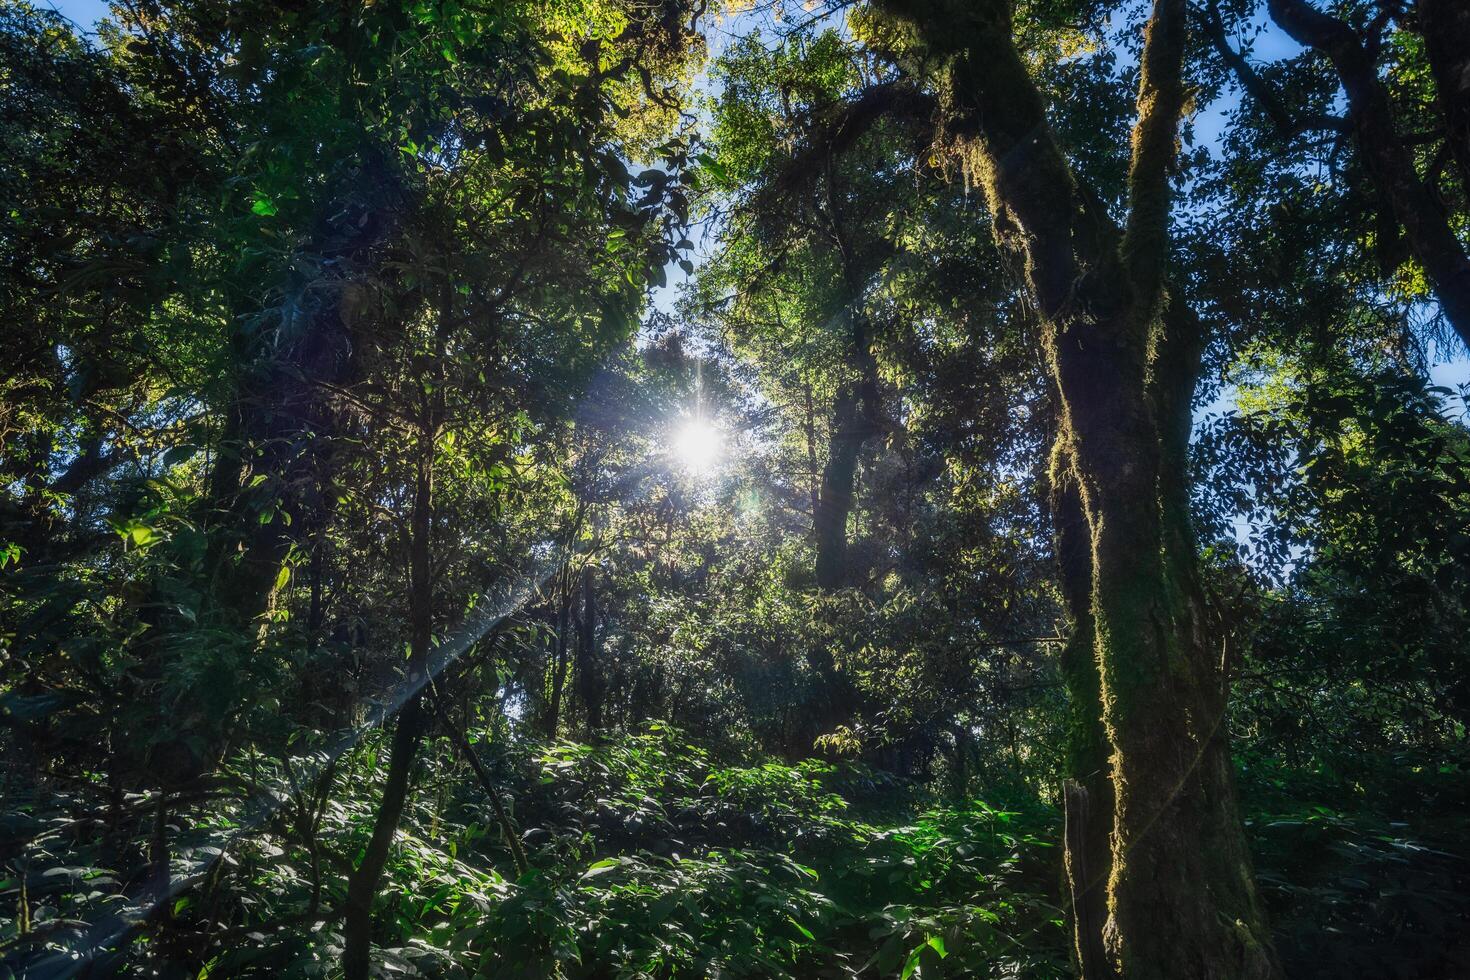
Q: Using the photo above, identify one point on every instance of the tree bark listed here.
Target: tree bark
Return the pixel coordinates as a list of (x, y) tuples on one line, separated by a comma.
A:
[(810, 430), (160, 872), (1088, 792), (362, 884), (559, 654), (280, 423), (855, 420), (279, 427)]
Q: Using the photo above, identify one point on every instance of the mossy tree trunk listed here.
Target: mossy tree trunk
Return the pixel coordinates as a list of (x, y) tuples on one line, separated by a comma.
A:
[(856, 414), (1088, 792), (856, 419), (1147, 688)]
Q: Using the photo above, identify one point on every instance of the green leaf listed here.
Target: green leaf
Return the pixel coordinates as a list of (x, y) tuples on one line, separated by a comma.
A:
[(713, 167), (142, 535), (599, 867), (264, 206), (283, 577)]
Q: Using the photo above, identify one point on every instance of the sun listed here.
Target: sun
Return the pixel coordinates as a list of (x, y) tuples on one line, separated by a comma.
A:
[(697, 445)]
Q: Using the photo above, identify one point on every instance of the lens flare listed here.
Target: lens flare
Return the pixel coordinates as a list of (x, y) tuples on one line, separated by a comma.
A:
[(698, 446)]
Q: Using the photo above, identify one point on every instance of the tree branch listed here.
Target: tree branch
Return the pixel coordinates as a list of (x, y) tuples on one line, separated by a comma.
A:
[(1026, 178), (849, 122), (1385, 156), (1258, 88), (1145, 246)]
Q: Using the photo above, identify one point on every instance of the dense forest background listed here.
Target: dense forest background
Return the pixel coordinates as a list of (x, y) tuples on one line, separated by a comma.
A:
[(637, 489)]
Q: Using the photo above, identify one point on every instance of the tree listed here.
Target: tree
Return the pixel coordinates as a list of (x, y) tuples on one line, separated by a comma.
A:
[(1406, 168), (1122, 351), (807, 246)]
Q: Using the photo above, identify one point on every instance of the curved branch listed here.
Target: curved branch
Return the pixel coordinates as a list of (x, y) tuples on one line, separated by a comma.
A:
[(1029, 185), (849, 122), (1258, 88), (1386, 157)]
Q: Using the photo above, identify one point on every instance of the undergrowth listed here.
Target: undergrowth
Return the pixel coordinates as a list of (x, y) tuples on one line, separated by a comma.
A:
[(650, 858)]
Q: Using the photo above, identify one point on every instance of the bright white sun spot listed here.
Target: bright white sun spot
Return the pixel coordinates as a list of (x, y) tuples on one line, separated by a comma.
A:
[(697, 445)]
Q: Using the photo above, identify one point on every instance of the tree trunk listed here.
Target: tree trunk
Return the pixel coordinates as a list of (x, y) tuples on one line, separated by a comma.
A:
[(960, 764), (590, 682), (160, 872), (362, 884), (280, 421), (834, 504), (559, 655), (814, 471), (1088, 792), (1181, 897), (279, 428), (855, 420)]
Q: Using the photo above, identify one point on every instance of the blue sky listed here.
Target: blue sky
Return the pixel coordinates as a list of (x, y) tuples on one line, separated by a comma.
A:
[(84, 13)]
